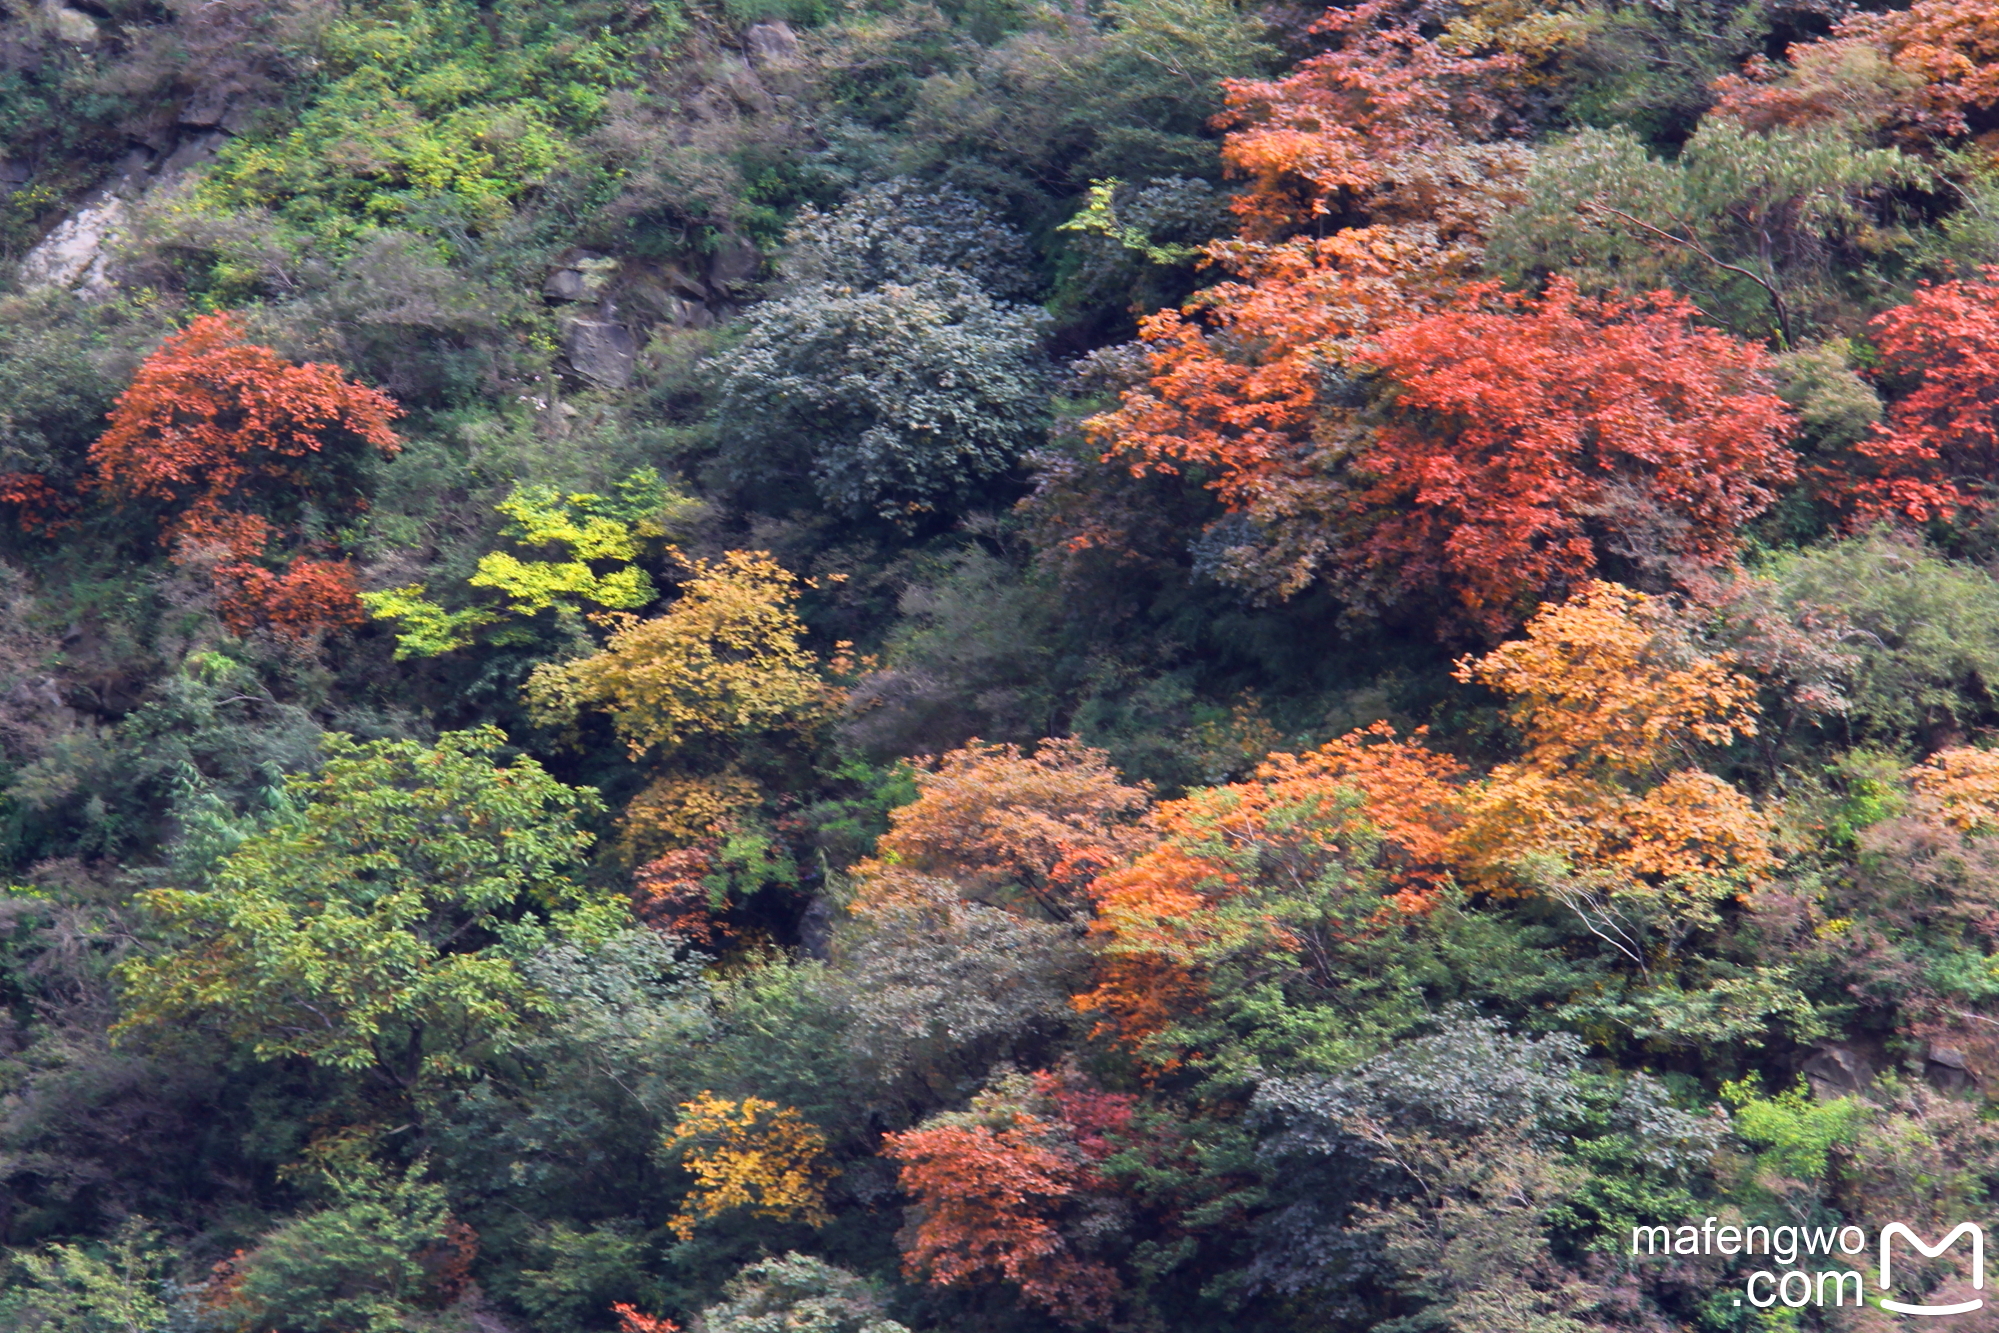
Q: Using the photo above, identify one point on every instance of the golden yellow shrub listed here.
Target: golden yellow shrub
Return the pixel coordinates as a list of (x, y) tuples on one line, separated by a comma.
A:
[(750, 1154)]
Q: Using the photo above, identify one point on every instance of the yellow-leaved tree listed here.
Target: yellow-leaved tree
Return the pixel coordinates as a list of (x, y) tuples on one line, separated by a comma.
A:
[(751, 1154), (581, 552), (705, 694), (1607, 806), (726, 658)]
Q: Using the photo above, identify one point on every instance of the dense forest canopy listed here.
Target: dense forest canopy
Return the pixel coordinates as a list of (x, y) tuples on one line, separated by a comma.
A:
[(957, 664)]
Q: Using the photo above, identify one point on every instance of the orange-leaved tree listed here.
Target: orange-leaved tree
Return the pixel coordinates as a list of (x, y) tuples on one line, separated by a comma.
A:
[(1318, 852), (1408, 792), (235, 445), (1002, 1192), (1607, 806), (631, 1319), (1374, 172), (38, 506), (1020, 830), (1531, 438), (1389, 123), (1936, 456), (1960, 787), (1927, 72), (673, 893)]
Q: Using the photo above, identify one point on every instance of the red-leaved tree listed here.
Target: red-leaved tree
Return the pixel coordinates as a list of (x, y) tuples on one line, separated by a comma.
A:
[(1530, 438), (1000, 1192), (234, 443), (39, 507), (1938, 454), (1374, 171)]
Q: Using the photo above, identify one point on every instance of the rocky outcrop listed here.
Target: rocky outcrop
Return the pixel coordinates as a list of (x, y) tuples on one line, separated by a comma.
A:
[(614, 302), (72, 25), (77, 255), (600, 349), (771, 45), (580, 276), (1836, 1069), (733, 263), (221, 106), (1946, 1069)]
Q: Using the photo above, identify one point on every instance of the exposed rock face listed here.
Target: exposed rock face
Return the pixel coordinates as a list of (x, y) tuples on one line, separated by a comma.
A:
[(1946, 1069), (772, 43), (73, 25), (733, 263), (681, 283), (600, 349), (582, 276), (1835, 1070), (74, 255), (218, 106), (77, 255), (565, 284)]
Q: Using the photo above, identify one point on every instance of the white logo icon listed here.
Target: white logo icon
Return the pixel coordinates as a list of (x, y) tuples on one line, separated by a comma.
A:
[(1893, 1229)]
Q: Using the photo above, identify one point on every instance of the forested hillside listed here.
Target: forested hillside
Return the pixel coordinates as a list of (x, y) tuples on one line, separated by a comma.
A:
[(904, 665)]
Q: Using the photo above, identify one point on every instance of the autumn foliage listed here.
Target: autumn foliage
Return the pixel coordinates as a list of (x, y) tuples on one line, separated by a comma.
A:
[(1022, 829), (1936, 456), (1341, 840), (726, 658), (670, 894), (1520, 441), (750, 1154), (1409, 793), (1374, 171), (1614, 706), (633, 1320), (38, 506), (230, 440), (1531, 439), (1919, 74), (997, 1190), (1388, 122), (1961, 787)]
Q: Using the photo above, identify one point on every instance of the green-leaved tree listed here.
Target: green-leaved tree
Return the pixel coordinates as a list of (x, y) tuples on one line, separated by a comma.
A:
[(375, 923)]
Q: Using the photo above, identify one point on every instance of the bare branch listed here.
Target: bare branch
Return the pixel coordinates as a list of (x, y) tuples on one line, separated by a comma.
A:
[(1776, 297)]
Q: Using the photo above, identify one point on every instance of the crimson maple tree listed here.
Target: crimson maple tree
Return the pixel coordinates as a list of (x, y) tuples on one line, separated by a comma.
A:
[(1530, 437), (1374, 170), (993, 1186), (1936, 454), (231, 441)]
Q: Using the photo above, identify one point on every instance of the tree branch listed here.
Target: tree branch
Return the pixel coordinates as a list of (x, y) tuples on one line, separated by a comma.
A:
[(1776, 297)]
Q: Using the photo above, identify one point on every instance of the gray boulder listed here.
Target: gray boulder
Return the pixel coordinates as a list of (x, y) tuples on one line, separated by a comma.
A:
[(600, 350)]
